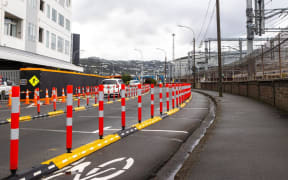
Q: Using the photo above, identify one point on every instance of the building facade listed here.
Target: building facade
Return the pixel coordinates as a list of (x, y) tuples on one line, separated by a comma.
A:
[(37, 32)]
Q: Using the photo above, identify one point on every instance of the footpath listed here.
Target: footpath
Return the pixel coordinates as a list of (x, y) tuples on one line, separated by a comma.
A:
[(248, 140)]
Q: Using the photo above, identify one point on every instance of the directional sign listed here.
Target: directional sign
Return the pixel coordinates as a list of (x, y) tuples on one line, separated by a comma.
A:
[(34, 81)]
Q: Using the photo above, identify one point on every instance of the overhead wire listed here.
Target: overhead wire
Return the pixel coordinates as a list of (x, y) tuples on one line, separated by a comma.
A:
[(205, 18), (208, 25)]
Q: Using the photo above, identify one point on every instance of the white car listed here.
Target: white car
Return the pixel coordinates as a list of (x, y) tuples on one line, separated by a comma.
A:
[(5, 88), (134, 83), (114, 86)]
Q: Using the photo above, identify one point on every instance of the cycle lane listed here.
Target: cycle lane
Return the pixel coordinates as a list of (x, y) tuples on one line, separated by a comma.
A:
[(140, 155)]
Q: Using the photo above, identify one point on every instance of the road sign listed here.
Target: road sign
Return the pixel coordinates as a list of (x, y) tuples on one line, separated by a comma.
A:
[(34, 81)]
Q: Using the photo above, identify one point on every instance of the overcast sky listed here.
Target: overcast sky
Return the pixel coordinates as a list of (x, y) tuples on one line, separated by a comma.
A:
[(112, 29)]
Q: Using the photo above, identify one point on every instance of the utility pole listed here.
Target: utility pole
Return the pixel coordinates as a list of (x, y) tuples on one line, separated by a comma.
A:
[(165, 69), (194, 62), (280, 61), (219, 49), (250, 31), (173, 56)]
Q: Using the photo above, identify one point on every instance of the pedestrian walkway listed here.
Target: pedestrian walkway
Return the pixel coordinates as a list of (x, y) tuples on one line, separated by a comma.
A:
[(249, 140)]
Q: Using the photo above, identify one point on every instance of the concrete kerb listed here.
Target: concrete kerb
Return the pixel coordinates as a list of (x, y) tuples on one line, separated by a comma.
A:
[(65, 159), (175, 163)]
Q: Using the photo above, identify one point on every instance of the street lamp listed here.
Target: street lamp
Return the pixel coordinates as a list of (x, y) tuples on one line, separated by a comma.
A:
[(165, 65), (194, 57), (173, 58), (142, 68)]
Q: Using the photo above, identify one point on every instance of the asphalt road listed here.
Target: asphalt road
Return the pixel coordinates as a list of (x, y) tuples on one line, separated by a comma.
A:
[(45, 138), (142, 154)]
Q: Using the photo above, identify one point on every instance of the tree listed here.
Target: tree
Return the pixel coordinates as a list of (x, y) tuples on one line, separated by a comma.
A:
[(150, 81), (126, 78)]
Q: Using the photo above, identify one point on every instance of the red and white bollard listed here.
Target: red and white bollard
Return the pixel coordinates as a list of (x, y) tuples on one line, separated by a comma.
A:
[(38, 100), (83, 91), (173, 95), (69, 114), (123, 109), (161, 98), (152, 100), (14, 133), (167, 97), (101, 111), (108, 93), (87, 96), (113, 93), (139, 103), (177, 96), (54, 98), (79, 96)]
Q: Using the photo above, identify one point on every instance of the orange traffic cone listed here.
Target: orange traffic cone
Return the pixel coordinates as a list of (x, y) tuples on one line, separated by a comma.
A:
[(63, 96), (47, 98), (9, 99), (27, 97)]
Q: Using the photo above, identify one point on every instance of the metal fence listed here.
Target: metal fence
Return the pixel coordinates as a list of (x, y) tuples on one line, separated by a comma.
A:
[(12, 75), (268, 61)]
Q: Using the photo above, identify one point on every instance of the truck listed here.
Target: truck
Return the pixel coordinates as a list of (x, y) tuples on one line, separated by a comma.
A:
[(5, 87)]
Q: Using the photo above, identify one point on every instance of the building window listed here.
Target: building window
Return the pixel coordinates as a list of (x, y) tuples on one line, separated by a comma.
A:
[(67, 47), (12, 25), (31, 32), (41, 34), (48, 11), (53, 41), (61, 20), (42, 5), (47, 39), (54, 15), (68, 24), (60, 44)]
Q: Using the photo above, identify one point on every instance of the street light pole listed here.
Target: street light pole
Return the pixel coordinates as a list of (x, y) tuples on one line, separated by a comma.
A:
[(219, 50), (173, 57), (142, 67), (165, 64), (194, 51)]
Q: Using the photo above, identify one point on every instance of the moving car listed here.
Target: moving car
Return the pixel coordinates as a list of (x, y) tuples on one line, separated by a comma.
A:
[(113, 84)]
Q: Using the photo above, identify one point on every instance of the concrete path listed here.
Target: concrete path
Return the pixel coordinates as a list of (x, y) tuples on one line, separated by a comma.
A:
[(249, 140)]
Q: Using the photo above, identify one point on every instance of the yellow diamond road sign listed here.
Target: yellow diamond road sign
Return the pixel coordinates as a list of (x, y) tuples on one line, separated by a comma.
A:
[(34, 81)]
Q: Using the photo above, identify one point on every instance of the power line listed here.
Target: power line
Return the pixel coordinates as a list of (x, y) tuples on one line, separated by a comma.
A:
[(208, 25), (204, 22)]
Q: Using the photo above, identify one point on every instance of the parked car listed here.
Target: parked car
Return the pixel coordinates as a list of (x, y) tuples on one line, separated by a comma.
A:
[(113, 84), (134, 83), (5, 88)]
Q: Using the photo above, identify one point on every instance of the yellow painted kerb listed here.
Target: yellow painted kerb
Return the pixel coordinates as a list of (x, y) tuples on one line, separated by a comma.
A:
[(54, 113), (78, 153), (23, 118)]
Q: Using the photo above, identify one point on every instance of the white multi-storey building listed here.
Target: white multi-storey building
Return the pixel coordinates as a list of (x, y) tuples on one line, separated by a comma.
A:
[(37, 32)]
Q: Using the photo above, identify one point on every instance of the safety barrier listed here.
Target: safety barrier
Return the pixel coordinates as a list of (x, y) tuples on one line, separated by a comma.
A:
[(180, 93)]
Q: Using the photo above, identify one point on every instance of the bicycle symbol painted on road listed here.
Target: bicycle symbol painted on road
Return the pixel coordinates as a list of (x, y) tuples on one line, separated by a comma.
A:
[(80, 170)]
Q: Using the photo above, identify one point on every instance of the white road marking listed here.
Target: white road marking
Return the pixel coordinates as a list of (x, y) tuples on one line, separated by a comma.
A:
[(171, 131), (116, 117), (64, 131), (197, 108), (32, 105)]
